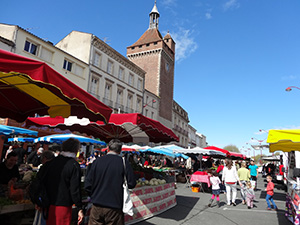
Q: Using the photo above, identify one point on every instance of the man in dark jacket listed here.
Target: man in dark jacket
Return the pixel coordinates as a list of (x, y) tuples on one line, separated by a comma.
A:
[(34, 157), (62, 179), (104, 182)]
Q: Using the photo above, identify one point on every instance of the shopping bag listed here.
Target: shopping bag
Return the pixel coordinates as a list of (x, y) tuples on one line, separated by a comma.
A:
[(127, 202), (253, 183)]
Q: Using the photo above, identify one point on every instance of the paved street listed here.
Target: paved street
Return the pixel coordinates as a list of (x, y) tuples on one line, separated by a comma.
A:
[(192, 209)]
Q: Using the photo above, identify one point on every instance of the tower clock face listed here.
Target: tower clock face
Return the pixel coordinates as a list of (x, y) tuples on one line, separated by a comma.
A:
[(167, 67)]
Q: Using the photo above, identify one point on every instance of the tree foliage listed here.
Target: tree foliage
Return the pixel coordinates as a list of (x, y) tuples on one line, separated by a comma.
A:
[(231, 148)]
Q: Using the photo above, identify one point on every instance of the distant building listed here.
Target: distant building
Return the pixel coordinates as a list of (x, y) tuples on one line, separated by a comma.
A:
[(201, 140), (17, 40), (113, 79), (192, 136), (156, 55)]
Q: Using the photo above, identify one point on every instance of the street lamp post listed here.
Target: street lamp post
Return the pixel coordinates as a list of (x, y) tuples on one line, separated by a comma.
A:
[(290, 88), (259, 141)]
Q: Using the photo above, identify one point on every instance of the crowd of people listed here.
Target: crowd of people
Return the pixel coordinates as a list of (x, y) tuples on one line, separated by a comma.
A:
[(232, 175), (61, 174)]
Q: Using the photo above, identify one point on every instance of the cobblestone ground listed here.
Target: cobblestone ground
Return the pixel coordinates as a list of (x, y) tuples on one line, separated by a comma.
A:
[(192, 209)]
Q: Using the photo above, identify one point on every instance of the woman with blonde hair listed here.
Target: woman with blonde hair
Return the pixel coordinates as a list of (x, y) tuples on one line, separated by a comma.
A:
[(230, 177)]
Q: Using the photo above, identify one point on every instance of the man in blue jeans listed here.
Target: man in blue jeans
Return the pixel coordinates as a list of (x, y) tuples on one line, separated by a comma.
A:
[(253, 172)]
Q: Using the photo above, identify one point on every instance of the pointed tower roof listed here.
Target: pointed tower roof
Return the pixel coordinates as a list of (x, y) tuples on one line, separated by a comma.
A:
[(154, 10), (150, 36), (167, 36)]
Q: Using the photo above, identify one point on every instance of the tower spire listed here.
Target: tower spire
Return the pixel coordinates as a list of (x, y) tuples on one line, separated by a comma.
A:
[(154, 15)]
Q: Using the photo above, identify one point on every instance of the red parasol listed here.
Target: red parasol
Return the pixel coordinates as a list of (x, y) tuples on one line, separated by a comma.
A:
[(219, 149), (28, 87), (105, 132), (140, 127), (237, 155), (131, 127)]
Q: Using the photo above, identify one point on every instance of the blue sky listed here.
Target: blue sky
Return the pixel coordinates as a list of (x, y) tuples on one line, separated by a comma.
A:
[(234, 58)]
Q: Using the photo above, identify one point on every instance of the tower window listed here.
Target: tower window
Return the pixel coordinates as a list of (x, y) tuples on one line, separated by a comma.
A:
[(147, 45), (140, 46), (155, 43), (132, 48)]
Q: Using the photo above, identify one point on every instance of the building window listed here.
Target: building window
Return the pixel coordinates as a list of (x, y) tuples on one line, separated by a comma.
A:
[(146, 112), (107, 92), (94, 85), (31, 47), (67, 65), (121, 73), (110, 65), (97, 59), (147, 45), (46, 55), (152, 115), (120, 97), (139, 84), (167, 67), (78, 70), (130, 79), (129, 101), (139, 105)]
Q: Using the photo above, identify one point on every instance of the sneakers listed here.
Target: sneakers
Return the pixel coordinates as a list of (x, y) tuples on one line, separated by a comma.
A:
[(234, 204), (228, 204), (249, 207)]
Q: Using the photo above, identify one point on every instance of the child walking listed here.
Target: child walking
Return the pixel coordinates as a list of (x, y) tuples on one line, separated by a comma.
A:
[(270, 193), (250, 195), (215, 182)]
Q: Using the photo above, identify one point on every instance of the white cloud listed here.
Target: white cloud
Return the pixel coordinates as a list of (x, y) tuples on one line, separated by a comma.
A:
[(208, 15), (185, 43), (168, 2), (288, 78), (231, 4)]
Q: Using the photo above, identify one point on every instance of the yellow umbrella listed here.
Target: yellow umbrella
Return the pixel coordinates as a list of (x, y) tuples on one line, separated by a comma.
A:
[(284, 140)]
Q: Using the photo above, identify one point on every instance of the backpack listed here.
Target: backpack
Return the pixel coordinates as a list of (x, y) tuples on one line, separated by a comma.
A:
[(38, 195)]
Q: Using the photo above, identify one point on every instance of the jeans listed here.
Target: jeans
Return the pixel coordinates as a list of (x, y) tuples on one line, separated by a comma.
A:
[(268, 199), (242, 190), (229, 188)]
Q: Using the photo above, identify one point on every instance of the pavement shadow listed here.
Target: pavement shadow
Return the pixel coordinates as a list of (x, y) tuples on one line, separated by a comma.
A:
[(184, 205), (276, 196)]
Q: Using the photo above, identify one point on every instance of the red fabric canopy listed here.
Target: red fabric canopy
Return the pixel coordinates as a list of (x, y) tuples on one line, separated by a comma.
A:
[(122, 126), (135, 123), (28, 87), (105, 132), (219, 149), (237, 155)]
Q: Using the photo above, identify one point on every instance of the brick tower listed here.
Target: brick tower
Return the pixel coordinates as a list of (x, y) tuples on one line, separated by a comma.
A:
[(156, 55)]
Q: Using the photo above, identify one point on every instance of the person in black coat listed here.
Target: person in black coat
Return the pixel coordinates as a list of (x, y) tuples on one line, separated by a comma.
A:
[(62, 179), (104, 183), (34, 157)]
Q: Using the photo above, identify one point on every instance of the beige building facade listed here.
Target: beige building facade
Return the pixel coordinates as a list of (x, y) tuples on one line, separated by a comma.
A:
[(17, 40), (113, 79)]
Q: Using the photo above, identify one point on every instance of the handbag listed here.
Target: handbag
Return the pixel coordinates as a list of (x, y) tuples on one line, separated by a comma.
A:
[(127, 202)]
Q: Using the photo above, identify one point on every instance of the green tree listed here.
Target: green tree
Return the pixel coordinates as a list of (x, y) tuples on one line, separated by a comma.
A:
[(231, 148)]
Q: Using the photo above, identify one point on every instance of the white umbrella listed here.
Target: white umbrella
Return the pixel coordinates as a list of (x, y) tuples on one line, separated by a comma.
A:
[(198, 150)]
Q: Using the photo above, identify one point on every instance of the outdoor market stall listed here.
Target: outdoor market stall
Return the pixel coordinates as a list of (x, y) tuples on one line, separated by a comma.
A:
[(288, 141)]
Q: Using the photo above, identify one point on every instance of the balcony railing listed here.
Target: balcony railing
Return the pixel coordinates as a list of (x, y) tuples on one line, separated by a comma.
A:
[(107, 102)]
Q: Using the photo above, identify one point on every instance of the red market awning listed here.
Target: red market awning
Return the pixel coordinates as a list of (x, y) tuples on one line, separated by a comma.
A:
[(105, 132), (219, 149), (29, 87), (236, 155), (140, 126), (132, 127)]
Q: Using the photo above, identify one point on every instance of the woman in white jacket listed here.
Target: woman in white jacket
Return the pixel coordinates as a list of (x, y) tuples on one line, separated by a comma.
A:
[(230, 177)]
